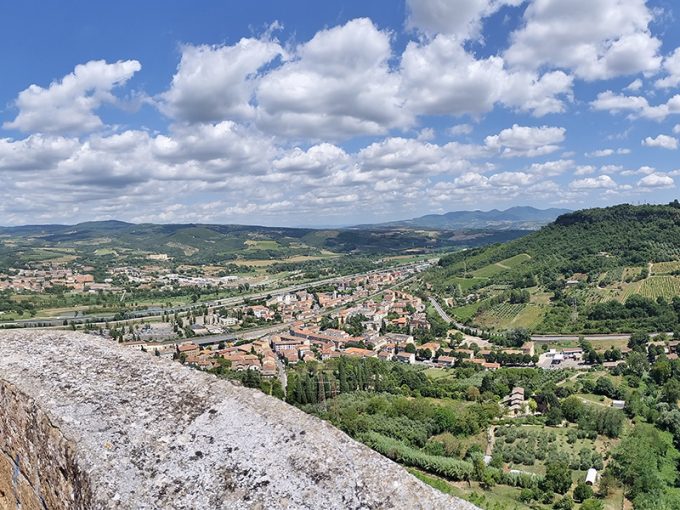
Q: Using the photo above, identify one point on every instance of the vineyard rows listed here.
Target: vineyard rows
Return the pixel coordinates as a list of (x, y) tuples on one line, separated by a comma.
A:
[(504, 312), (666, 267), (655, 286)]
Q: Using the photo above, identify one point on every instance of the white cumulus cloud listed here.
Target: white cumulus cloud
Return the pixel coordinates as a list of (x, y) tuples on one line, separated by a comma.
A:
[(68, 105), (661, 141), (36, 152), (656, 180), (596, 39), (459, 18), (589, 183), (334, 86), (214, 83), (552, 168), (318, 159), (638, 106), (671, 67), (439, 77), (526, 141)]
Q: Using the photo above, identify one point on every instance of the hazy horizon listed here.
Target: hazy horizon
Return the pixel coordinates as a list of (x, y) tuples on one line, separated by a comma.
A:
[(311, 226)]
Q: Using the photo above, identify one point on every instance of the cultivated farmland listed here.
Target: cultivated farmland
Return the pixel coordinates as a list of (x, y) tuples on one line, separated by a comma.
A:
[(654, 287), (666, 267)]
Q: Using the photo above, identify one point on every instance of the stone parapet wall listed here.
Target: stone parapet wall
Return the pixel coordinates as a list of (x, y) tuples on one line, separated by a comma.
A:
[(85, 424), (37, 463)]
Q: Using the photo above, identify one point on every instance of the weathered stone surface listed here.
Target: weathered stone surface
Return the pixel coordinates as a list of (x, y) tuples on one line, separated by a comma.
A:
[(85, 424)]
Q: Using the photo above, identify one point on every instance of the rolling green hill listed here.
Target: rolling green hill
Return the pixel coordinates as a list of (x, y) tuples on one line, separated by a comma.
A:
[(218, 244), (584, 272)]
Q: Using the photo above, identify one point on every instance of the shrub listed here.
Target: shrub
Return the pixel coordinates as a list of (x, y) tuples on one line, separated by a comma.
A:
[(592, 504), (582, 492), (557, 477), (566, 503)]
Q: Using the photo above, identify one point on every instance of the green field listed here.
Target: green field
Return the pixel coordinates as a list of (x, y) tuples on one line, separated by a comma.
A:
[(503, 313), (615, 275), (507, 498), (515, 261), (438, 373), (104, 251), (466, 312), (262, 244), (499, 267), (506, 316), (480, 277), (631, 272), (43, 254), (466, 284), (502, 497)]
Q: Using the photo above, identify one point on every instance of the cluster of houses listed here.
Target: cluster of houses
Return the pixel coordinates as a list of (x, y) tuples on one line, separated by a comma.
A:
[(299, 305), (466, 356), (161, 278), (303, 305), (556, 356), (42, 277), (670, 348), (397, 308), (574, 357), (210, 352), (45, 278), (256, 355), (173, 280), (306, 343), (481, 357), (311, 343)]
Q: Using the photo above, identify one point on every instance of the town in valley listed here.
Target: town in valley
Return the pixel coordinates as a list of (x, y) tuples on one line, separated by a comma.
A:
[(340, 254)]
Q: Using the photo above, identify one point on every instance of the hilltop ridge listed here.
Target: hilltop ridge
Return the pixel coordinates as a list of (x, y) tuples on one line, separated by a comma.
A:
[(519, 217)]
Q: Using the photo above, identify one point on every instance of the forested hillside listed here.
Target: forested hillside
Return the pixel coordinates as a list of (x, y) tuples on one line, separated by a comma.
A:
[(592, 261), (589, 241)]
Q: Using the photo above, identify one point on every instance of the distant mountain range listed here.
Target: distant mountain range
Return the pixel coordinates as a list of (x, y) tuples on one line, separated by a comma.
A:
[(515, 218), (95, 241)]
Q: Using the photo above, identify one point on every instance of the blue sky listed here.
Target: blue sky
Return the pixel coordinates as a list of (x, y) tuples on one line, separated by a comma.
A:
[(321, 113)]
